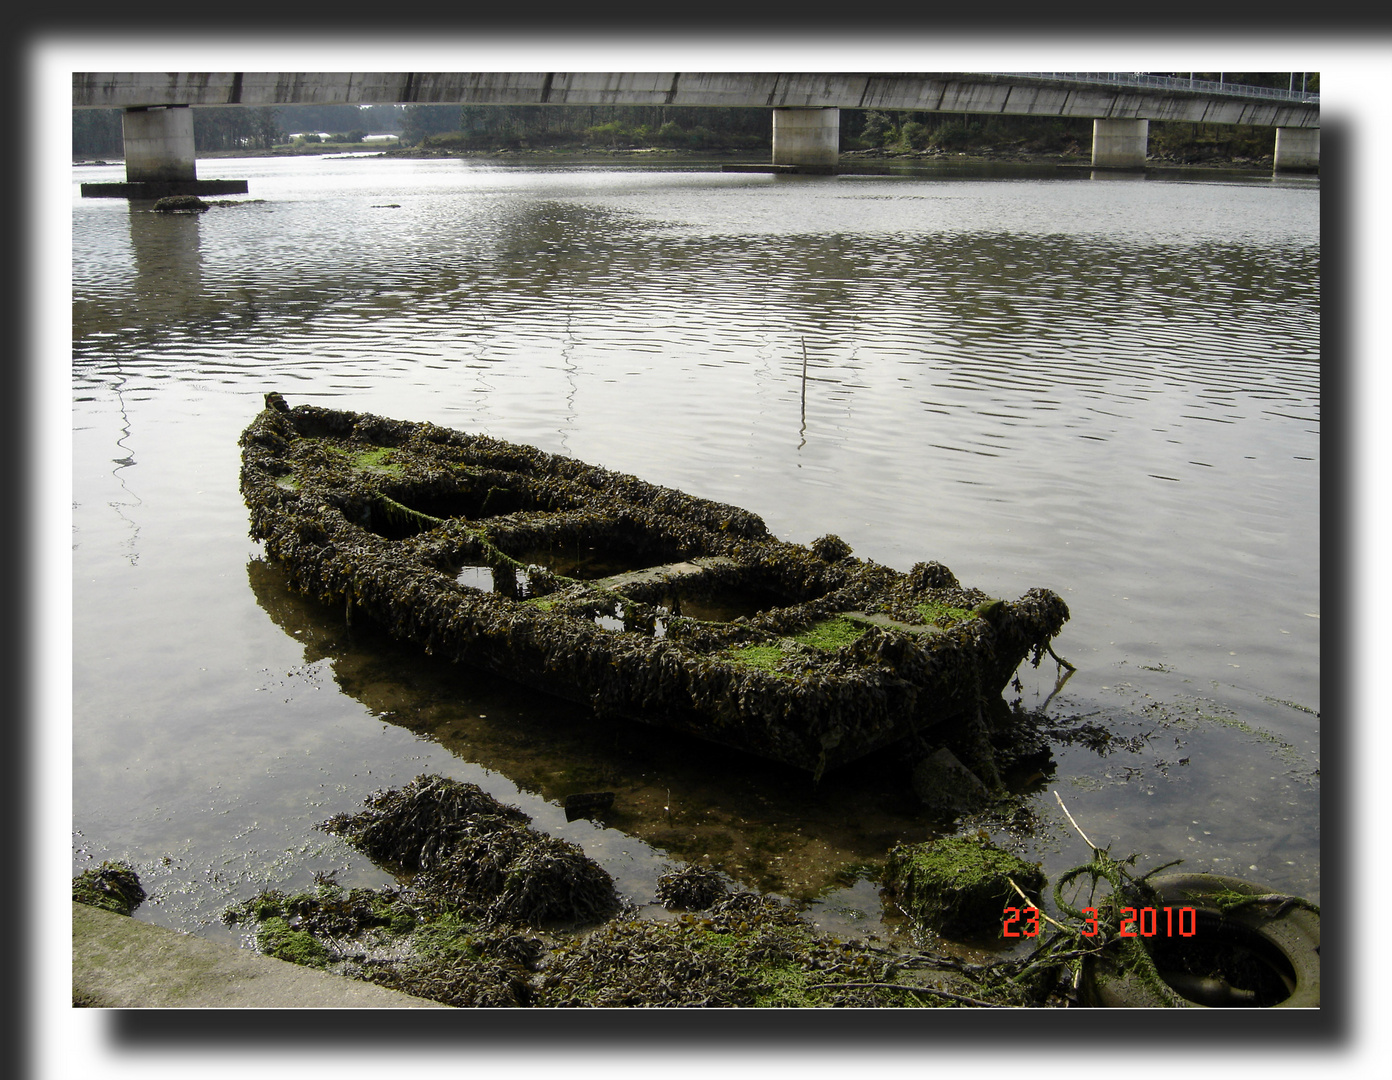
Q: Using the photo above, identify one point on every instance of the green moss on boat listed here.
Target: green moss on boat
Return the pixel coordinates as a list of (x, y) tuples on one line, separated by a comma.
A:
[(600, 587)]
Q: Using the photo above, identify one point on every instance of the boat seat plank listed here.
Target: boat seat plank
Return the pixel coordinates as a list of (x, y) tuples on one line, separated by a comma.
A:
[(876, 619), (668, 572)]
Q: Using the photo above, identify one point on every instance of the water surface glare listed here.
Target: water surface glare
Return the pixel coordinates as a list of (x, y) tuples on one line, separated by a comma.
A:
[(1106, 387)]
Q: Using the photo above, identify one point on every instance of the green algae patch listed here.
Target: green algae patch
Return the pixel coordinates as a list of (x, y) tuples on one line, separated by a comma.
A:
[(748, 952), (942, 614), (959, 885), (276, 938), (373, 460), (764, 657), (367, 458), (830, 634), (377, 459), (445, 939), (113, 886), (825, 635)]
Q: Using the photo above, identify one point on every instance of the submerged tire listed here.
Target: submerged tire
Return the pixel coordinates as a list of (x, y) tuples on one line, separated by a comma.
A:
[(1253, 957)]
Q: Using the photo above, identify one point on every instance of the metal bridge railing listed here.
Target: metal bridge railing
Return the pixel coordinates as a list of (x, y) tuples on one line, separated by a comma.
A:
[(1169, 82)]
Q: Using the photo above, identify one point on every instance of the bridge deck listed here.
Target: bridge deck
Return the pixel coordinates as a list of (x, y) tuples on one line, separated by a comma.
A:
[(1027, 95)]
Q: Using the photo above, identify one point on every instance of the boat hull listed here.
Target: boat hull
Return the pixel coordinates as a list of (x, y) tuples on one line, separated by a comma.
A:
[(636, 600)]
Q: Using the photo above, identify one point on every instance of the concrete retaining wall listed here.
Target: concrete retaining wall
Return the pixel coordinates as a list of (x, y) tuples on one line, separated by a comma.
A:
[(121, 963)]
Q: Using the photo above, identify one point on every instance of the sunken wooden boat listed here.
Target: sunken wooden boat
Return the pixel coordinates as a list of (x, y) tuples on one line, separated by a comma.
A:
[(638, 600)]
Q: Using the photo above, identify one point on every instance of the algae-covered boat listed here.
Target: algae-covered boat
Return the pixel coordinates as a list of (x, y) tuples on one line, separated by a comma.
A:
[(639, 600)]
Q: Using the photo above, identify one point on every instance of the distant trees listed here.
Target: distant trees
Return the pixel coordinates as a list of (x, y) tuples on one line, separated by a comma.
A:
[(418, 121), (236, 128), (96, 133), (370, 118), (486, 126), (903, 132)]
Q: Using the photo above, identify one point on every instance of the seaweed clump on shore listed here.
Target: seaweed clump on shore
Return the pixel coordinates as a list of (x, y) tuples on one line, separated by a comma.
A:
[(495, 914), (748, 950), (691, 887), (472, 854), (462, 930), (113, 886), (394, 938)]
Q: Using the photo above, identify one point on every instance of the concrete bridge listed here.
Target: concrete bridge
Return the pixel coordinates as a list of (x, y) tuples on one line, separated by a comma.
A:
[(158, 122)]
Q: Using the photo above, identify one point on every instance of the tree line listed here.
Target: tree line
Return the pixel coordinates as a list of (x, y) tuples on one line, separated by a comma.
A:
[(97, 132)]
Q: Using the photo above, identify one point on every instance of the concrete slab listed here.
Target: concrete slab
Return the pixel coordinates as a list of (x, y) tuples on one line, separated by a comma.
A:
[(802, 170), (160, 189), (121, 963)]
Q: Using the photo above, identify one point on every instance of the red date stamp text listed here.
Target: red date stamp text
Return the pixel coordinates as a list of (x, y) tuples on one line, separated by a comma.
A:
[(1135, 922)]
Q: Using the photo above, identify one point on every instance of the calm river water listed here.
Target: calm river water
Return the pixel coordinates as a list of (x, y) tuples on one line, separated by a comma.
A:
[(1104, 385)]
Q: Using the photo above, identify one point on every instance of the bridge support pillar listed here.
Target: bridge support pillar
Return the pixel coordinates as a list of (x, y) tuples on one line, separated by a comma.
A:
[(1297, 149), (160, 158), (1119, 144), (809, 138), (159, 145)]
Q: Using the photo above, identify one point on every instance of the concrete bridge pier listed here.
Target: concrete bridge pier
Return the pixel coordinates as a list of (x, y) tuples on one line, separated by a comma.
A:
[(1297, 149), (809, 139), (159, 144), (1119, 144), (160, 158)]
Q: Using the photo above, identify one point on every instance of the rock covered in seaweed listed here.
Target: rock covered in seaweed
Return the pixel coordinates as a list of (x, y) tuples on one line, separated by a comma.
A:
[(114, 886), (470, 851), (959, 885), (180, 204)]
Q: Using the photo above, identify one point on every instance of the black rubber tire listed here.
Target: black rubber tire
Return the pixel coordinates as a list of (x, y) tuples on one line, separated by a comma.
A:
[(1293, 934)]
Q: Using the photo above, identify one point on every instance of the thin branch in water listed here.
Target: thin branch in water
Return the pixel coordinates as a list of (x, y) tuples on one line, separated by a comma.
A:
[(803, 430), (1074, 823), (1043, 914), (804, 378)]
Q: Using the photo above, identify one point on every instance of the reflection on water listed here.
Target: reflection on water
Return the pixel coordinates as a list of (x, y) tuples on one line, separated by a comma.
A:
[(1107, 389)]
